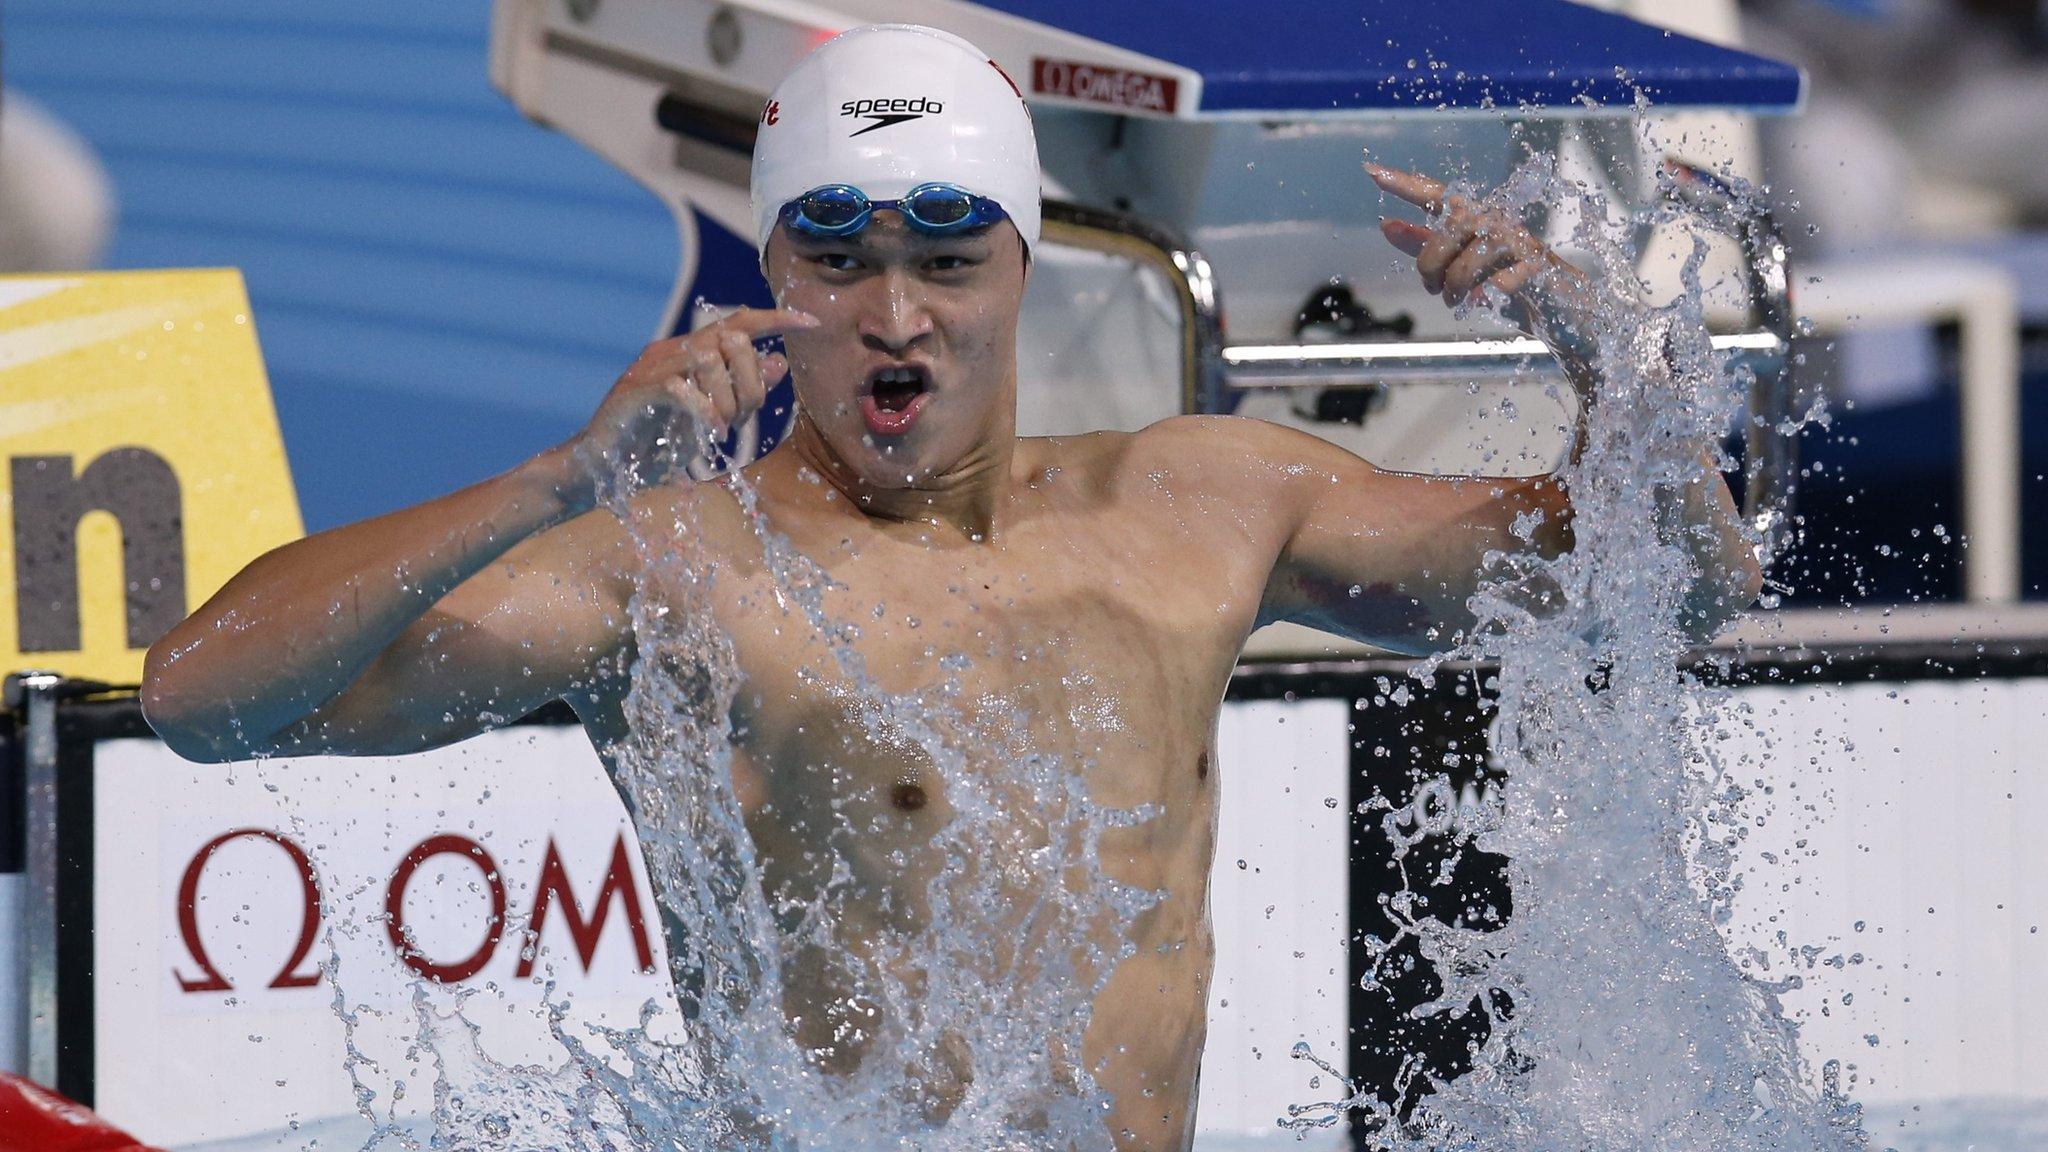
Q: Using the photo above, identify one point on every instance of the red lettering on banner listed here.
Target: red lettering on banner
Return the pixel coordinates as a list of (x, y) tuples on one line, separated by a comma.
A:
[(586, 931), (211, 979), (446, 844), (1100, 84)]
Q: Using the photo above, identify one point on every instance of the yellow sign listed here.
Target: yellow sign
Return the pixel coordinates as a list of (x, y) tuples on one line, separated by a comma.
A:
[(142, 461)]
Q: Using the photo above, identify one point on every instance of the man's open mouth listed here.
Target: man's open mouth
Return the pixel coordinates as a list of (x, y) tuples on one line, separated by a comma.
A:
[(893, 397), (895, 388)]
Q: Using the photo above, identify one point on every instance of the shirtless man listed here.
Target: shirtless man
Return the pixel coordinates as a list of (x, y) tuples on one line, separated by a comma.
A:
[(1105, 573)]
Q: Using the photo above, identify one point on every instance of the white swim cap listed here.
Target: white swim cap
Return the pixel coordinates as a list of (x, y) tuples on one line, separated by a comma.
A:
[(886, 107)]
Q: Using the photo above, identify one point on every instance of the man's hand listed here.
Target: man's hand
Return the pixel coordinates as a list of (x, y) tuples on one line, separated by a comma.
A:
[(431, 623), (1475, 246), (713, 376)]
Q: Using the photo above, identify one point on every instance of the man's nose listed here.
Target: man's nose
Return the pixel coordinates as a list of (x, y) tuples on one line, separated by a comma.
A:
[(898, 317)]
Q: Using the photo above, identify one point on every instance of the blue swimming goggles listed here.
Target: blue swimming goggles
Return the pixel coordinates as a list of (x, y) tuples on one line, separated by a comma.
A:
[(935, 209)]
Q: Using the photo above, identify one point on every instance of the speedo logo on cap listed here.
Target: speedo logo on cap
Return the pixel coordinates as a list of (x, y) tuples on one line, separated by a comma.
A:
[(890, 110)]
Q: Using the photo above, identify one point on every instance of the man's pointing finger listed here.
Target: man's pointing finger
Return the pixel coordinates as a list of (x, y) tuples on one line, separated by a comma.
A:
[(759, 322), (1418, 190)]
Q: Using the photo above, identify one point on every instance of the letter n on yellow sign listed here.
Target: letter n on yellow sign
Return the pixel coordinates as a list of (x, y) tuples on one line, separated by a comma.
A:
[(143, 465)]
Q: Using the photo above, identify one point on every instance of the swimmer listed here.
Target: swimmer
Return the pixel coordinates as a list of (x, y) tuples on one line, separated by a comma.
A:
[(1128, 568)]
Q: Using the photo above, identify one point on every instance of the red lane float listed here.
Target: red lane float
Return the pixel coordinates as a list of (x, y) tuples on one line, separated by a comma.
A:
[(35, 1119)]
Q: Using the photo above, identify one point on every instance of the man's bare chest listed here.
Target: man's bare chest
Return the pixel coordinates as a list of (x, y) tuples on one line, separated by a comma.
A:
[(884, 679)]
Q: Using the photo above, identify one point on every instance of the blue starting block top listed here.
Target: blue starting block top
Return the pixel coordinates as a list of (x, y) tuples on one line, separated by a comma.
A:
[(1364, 56)]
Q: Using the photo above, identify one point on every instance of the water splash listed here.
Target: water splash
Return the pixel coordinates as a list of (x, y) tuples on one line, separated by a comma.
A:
[(1614, 1015), (956, 1025)]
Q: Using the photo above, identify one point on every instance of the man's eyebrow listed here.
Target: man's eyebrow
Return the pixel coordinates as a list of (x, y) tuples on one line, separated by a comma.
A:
[(806, 240), (978, 232), (859, 240)]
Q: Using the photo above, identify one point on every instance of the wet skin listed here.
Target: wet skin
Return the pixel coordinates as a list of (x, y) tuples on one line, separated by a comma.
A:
[(1099, 586)]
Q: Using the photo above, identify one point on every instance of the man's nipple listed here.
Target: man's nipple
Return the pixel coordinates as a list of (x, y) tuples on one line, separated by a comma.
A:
[(907, 796)]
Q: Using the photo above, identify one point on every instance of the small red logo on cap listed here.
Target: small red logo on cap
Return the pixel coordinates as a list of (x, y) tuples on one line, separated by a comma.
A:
[(771, 112)]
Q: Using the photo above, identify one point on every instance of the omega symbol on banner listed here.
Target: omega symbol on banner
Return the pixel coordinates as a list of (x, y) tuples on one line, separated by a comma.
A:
[(553, 887), (188, 914)]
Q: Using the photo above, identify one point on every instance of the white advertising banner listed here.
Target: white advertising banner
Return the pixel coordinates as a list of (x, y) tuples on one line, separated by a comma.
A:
[(507, 861), (1279, 897), (1896, 871), (491, 865), (1898, 843)]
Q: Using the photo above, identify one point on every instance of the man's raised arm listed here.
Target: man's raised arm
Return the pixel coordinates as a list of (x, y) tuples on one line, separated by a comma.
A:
[(392, 634), (1391, 558), (432, 623)]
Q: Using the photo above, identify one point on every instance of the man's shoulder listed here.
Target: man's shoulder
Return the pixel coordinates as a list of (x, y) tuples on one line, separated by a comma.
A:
[(1173, 437), (1218, 450), (712, 513), (1238, 459), (1207, 430)]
